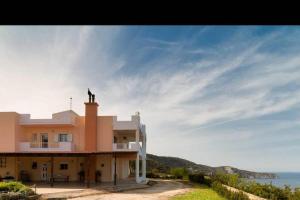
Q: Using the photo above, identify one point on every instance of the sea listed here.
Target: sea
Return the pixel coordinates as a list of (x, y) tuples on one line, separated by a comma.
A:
[(284, 178)]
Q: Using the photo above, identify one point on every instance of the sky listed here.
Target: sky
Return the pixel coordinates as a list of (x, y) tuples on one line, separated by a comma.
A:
[(215, 95)]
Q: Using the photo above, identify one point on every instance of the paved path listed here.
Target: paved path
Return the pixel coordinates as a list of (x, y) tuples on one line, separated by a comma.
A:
[(71, 192), (160, 191)]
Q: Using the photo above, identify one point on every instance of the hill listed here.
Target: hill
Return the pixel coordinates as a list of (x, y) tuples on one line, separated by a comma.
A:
[(163, 164)]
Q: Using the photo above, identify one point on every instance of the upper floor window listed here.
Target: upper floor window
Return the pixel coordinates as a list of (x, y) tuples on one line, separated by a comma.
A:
[(2, 162), (63, 137)]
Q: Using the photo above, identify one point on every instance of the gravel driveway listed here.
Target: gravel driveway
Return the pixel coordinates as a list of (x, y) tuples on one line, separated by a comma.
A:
[(162, 190)]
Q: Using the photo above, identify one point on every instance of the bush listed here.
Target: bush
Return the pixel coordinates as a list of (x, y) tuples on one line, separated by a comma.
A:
[(197, 178), (267, 191), (15, 190), (151, 175), (178, 172), (227, 179), (223, 191), (162, 176)]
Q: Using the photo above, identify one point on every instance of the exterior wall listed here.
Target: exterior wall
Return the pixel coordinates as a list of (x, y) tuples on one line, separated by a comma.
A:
[(9, 170), (77, 131), (8, 123), (73, 167), (106, 169), (15, 165), (104, 133), (79, 136), (25, 163), (122, 168), (51, 131)]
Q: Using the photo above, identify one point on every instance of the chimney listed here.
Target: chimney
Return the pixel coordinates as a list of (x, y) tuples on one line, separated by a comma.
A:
[(91, 113)]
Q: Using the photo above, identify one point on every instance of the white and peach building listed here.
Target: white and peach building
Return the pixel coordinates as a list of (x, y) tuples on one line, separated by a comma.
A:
[(70, 147)]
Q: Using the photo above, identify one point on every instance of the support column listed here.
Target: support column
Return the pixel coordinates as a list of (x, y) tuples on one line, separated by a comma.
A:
[(17, 171), (137, 168), (52, 169), (144, 156), (90, 170), (87, 172), (144, 168), (115, 170)]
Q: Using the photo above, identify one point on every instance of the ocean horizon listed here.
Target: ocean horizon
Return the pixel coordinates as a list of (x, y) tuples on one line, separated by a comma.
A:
[(291, 179)]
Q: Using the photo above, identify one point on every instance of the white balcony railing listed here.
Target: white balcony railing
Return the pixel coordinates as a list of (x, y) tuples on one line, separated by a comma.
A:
[(126, 147), (45, 146)]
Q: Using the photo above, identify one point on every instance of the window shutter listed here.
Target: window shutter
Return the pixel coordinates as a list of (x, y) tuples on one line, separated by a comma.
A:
[(70, 137), (56, 138)]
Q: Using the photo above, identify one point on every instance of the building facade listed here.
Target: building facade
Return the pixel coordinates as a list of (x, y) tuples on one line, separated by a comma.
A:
[(69, 147)]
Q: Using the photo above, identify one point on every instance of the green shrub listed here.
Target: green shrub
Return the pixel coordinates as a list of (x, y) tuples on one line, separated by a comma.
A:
[(14, 190), (151, 175), (230, 195), (178, 172), (197, 178), (267, 191)]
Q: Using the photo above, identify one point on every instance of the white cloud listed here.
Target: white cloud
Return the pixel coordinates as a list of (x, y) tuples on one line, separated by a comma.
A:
[(177, 97)]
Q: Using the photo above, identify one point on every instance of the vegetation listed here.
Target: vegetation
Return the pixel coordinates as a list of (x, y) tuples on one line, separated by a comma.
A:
[(267, 191), (173, 173), (163, 164), (159, 175), (200, 192), (14, 190), (172, 167), (179, 172), (200, 178), (223, 191), (217, 187)]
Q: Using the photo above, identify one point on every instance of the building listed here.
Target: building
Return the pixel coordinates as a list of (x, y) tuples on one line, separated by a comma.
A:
[(69, 147)]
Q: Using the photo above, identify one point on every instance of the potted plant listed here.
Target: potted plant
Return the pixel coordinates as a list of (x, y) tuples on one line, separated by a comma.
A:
[(81, 175), (98, 176)]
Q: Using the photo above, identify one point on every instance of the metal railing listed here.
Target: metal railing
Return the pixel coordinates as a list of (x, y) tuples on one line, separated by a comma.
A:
[(44, 144), (126, 146)]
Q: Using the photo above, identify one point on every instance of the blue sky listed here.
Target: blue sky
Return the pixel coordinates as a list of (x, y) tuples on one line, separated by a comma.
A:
[(216, 95)]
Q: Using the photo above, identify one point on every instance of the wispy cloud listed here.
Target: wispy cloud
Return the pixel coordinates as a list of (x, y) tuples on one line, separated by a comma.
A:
[(186, 88)]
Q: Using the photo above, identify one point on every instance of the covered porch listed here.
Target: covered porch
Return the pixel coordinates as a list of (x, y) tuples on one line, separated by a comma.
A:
[(73, 169)]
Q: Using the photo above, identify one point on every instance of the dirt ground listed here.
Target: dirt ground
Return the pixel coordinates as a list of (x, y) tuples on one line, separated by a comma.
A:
[(163, 190)]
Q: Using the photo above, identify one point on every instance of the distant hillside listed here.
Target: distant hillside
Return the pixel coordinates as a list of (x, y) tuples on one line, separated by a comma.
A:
[(164, 164)]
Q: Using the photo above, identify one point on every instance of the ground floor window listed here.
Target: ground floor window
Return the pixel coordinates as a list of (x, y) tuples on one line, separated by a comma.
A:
[(2, 162), (34, 165), (63, 166)]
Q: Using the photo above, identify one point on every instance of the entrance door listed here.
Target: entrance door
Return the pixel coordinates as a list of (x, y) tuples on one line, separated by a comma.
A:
[(44, 171), (44, 140)]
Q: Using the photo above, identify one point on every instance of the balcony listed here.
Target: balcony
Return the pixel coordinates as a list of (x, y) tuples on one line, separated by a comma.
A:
[(131, 146), (46, 146)]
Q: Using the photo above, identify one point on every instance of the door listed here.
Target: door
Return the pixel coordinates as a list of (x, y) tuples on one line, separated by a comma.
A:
[(44, 172), (44, 140)]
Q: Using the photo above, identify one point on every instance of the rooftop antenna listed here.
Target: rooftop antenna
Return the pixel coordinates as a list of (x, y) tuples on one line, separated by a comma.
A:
[(70, 103)]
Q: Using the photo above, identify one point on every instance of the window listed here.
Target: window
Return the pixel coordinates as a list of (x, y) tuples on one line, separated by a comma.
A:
[(2, 162), (63, 166), (34, 165), (63, 137)]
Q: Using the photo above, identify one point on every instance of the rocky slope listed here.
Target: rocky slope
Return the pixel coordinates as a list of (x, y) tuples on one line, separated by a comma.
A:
[(164, 164)]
